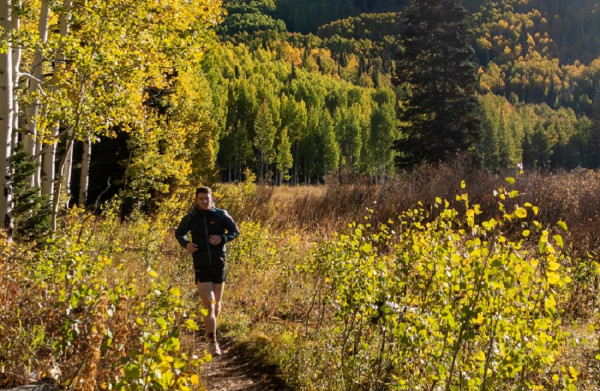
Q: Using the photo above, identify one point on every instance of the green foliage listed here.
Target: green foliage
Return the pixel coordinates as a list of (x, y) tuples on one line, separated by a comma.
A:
[(328, 121), (249, 17)]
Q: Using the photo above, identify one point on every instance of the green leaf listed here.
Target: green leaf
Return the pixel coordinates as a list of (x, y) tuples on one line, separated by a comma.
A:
[(132, 372)]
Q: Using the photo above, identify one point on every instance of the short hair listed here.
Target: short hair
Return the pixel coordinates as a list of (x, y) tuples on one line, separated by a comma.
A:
[(203, 190)]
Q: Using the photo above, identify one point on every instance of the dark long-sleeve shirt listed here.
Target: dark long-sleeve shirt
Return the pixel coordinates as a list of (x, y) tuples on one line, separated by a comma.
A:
[(202, 224)]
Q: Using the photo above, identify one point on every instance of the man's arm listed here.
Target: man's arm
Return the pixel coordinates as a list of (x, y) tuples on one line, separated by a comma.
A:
[(232, 229), (182, 230)]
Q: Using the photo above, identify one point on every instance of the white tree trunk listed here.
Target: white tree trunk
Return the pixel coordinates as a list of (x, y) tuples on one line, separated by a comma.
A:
[(35, 85), (84, 177), (49, 159), (7, 115), (67, 169), (16, 60)]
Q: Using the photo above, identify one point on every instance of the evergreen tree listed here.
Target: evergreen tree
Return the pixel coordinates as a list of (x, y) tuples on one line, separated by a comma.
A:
[(32, 212), (439, 118), (537, 149)]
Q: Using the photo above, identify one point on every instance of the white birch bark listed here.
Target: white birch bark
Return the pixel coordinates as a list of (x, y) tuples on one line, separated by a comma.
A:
[(49, 156), (15, 22), (67, 169), (84, 177), (35, 86), (58, 188), (6, 114)]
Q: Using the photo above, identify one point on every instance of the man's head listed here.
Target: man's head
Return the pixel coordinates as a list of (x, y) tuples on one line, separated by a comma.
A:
[(204, 198)]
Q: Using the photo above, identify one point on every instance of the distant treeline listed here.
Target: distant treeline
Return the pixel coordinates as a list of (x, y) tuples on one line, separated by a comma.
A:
[(302, 90)]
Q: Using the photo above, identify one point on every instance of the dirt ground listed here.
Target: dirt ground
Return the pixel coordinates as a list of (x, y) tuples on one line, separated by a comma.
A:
[(236, 371)]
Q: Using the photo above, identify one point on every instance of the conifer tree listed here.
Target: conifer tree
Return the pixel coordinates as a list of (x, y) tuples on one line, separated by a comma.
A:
[(439, 118), (32, 212)]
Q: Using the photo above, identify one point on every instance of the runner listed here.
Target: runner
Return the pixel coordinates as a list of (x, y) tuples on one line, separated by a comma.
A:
[(210, 229)]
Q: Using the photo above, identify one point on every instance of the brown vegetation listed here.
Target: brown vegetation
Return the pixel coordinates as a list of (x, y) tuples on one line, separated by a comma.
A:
[(572, 197)]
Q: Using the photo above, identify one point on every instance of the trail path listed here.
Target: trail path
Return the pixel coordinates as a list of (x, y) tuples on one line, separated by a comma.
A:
[(236, 371)]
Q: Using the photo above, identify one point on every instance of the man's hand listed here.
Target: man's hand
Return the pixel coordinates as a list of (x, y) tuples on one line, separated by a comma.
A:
[(214, 239), (191, 247)]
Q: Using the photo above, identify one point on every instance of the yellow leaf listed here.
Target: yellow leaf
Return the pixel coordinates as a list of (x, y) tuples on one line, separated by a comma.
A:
[(534, 262), (195, 380), (521, 213), (562, 225), (175, 291), (153, 274), (463, 184), (480, 356), (191, 324), (479, 319), (553, 266), (510, 180), (573, 372), (553, 277), (559, 240), (550, 303), (526, 233)]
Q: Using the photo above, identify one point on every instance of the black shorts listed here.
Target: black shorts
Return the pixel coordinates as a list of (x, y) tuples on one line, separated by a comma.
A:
[(214, 274)]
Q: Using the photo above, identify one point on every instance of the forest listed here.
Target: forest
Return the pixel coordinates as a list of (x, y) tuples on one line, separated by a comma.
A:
[(415, 213), (292, 91)]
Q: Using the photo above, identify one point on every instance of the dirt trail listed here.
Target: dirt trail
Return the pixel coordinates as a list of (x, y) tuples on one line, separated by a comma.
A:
[(235, 370)]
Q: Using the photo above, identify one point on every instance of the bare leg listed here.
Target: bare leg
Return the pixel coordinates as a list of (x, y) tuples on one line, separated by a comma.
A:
[(211, 295), (218, 293)]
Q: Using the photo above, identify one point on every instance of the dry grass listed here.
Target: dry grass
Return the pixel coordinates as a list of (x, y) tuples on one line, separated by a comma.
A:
[(570, 197)]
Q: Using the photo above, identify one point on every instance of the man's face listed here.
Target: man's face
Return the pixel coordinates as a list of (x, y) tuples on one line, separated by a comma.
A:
[(204, 201)]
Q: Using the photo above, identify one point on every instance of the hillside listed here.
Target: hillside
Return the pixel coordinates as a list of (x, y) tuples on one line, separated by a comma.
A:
[(537, 73)]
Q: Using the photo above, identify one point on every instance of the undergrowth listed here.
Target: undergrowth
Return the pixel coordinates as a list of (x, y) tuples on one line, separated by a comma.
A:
[(425, 283)]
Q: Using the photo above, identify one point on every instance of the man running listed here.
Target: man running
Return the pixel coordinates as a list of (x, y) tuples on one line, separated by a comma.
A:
[(211, 229)]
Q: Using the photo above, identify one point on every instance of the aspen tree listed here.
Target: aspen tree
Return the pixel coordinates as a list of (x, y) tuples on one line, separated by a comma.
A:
[(7, 113)]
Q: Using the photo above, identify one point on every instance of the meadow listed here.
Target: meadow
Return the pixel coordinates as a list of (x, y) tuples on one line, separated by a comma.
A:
[(447, 279)]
